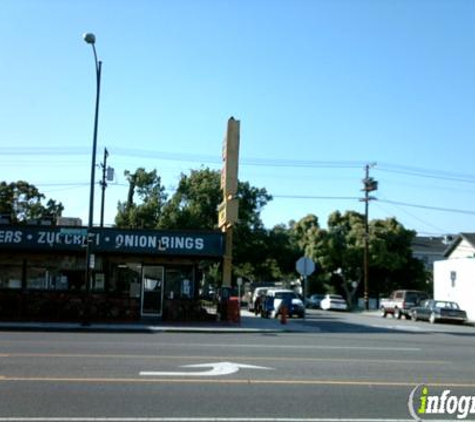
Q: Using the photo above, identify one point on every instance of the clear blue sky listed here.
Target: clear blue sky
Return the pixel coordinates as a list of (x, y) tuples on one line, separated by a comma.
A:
[(321, 89)]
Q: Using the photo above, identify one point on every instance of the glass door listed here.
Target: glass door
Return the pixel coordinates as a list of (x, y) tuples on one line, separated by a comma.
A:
[(152, 291)]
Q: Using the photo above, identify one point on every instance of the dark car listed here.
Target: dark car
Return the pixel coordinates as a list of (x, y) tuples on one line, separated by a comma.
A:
[(314, 301), (438, 310)]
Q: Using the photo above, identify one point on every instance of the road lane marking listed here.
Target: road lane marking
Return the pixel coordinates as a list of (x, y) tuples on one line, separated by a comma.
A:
[(293, 347), (250, 346), (217, 369), (244, 358), (349, 383), (283, 346)]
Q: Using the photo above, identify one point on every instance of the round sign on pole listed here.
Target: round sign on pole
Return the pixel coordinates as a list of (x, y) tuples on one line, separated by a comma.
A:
[(305, 266)]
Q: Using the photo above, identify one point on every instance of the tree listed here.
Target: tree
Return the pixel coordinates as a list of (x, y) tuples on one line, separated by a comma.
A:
[(252, 257), (306, 234), (284, 250), (151, 194), (194, 205), (338, 253), (23, 202), (306, 237), (391, 264)]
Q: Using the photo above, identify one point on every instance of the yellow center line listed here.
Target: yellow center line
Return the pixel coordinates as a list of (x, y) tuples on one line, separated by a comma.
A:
[(350, 383), (239, 358)]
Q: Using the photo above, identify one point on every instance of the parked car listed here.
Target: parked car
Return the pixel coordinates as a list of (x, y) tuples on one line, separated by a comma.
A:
[(276, 299), (438, 310), (333, 302), (314, 301), (400, 303)]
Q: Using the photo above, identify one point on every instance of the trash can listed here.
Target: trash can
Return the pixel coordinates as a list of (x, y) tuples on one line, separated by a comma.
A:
[(233, 311)]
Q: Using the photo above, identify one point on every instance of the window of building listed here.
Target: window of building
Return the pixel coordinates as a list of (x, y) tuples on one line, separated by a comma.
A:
[(37, 278), (55, 273), (125, 279), (453, 277), (10, 277), (42, 278), (179, 282)]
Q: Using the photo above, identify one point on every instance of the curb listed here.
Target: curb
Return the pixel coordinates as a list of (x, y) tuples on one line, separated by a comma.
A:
[(136, 328)]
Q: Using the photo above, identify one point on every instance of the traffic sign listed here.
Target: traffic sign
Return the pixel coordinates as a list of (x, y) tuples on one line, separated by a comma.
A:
[(305, 266)]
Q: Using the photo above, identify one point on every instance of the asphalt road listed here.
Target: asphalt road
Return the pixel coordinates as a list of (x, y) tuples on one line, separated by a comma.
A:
[(351, 367)]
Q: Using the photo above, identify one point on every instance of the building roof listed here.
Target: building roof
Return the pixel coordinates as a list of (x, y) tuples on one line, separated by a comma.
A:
[(468, 237), (429, 245)]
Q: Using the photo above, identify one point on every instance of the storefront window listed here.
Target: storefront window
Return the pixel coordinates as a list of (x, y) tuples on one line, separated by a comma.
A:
[(40, 278), (37, 278), (179, 282), (126, 279), (55, 273), (10, 277), (99, 282)]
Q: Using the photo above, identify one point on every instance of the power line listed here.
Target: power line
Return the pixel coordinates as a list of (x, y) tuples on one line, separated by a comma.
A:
[(315, 197), (410, 215), (405, 204), (387, 201), (427, 173), (246, 161), (293, 196), (179, 156)]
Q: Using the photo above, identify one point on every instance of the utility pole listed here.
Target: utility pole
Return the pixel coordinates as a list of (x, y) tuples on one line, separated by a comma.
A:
[(103, 184), (370, 185), (107, 176)]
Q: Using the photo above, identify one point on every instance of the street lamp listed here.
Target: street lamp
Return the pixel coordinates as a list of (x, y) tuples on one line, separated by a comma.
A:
[(90, 38)]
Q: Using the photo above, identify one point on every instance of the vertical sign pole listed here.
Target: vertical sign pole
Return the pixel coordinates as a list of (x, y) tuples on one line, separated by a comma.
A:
[(305, 267), (228, 257), (229, 185), (305, 290)]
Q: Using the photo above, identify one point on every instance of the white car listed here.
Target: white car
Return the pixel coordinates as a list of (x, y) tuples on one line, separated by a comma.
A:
[(335, 302), (258, 292), (276, 299)]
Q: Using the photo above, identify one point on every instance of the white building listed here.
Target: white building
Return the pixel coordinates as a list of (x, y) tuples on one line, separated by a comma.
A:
[(454, 277)]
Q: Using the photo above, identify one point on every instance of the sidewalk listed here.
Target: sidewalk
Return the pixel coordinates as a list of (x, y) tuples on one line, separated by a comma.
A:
[(249, 324)]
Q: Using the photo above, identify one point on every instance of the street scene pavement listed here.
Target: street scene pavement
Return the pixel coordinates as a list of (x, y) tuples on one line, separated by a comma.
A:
[(249, 322), (328, 367)]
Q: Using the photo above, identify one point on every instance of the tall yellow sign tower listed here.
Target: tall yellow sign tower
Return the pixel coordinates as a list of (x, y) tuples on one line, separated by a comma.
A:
[(228, 209)]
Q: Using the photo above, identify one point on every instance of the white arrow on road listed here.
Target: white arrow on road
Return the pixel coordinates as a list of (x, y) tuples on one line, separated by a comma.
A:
[(217, 369)]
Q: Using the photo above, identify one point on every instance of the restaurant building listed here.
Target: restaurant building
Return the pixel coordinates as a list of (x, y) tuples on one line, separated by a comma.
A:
[(135, 274)]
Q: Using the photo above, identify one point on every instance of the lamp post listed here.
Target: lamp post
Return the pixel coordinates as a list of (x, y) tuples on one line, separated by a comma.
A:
[(90, 38)]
